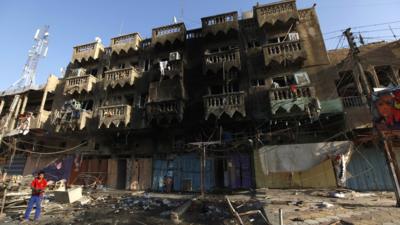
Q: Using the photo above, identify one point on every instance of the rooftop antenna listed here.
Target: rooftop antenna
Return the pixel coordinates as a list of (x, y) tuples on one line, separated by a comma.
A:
[(38, 50)]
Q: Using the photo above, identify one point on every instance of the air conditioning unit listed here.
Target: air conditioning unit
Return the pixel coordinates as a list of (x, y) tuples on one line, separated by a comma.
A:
[(294, 36), (174, 56), (78, 72)]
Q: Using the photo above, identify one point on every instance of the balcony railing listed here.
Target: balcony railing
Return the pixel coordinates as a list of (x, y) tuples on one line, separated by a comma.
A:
[(165, 109), (79, 84), (220, 23), (120, 77), (354, 101), (87, 51), (286, 98), (284, 51), (281, 11), (228, 103), (125, 43), (169, 33), (64, 120), (226, 60), (115, 114)]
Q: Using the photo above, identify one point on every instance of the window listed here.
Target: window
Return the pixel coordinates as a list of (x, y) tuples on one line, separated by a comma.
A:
[(385, 75), (301, 78), (253, 44), (283, 81), (257, 82), (93, 72), (345, 85), (121, 66)]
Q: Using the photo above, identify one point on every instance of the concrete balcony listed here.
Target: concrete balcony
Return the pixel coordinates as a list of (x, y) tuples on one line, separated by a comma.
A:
[(229, 103), (64, 120), (357, 112), (120, 77), (169, 34), (125, 43), (115, 114), (175, 68), (289, 51), (79, 84), (222, 60), (88, 51), (278, 13), (289, 101), (220, 23), (169, 110)]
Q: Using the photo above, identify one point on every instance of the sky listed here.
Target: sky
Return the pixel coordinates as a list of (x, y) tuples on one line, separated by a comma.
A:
[(75, 22)]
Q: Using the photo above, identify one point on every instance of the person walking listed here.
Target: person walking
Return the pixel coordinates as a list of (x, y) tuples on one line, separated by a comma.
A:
[(38, 186)]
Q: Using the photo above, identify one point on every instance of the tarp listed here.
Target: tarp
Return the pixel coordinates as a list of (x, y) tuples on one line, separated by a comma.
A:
[(55, 168), (298, 157)]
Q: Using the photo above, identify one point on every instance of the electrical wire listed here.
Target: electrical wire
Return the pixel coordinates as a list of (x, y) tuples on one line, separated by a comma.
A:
[(44, 153)]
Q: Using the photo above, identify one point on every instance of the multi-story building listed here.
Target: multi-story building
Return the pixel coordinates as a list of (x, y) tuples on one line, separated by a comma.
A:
[(138, 108)]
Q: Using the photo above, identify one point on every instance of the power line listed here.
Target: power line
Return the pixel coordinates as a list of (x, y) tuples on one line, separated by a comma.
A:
[(363, 26)]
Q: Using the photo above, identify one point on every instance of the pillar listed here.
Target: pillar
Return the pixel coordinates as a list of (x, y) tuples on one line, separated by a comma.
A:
[(395, 72), (371, 70), (2, 102), (43, 102), (25, 101)]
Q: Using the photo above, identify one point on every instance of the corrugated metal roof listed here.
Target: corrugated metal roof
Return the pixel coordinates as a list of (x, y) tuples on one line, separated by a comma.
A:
[(368, 171)]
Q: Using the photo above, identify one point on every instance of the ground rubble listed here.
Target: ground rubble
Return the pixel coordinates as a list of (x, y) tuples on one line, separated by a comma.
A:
[(300, 207)]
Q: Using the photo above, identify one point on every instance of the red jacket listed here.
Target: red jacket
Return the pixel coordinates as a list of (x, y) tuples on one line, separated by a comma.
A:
[(38, 186)]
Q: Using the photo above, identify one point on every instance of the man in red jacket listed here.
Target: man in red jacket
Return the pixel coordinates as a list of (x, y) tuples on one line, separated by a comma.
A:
[(38, 186)]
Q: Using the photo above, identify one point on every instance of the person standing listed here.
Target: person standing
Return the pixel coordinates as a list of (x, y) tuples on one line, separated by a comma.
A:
[(38, 186)]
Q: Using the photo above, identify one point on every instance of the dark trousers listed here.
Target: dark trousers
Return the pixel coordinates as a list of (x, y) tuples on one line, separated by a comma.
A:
[(35, 200)]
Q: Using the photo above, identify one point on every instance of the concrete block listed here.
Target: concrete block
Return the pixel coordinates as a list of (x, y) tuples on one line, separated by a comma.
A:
[(69, 196)]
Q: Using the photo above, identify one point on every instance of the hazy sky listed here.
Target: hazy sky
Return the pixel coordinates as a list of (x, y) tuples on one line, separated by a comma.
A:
[(74, 22)]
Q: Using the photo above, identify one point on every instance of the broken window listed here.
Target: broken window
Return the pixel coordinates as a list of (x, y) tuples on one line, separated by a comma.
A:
[(257, 82), (385, 75), (345, 85), (121, 66), (93, 72), (216, 89), (283, 81)]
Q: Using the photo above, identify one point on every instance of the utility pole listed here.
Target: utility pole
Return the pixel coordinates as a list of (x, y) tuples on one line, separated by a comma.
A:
[(363, 89), (202, 146), (393, 166)]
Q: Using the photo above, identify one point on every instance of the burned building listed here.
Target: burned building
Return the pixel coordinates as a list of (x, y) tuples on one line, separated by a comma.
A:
[(141, 110)]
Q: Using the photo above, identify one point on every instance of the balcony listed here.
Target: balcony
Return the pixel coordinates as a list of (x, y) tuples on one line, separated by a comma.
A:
[(125, 43), (222, 60), (229, 103), (220, 23), (120, 77), (357, 112), (271, 14), (87, 51), (169, 34), (115, 115), (79, 84), (169, 110), (289, 51), (175, 68), (286, 100), (65, 120), (38, 121)]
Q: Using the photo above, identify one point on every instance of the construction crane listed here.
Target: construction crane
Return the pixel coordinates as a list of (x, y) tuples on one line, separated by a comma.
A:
[(27, 79)]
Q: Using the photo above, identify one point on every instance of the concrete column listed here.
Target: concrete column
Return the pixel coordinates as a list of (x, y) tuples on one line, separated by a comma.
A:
[(25, 101), (16, 113), (44, 98), (371, 70), (395, 71), (2, 102)]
